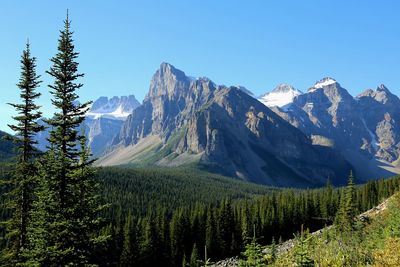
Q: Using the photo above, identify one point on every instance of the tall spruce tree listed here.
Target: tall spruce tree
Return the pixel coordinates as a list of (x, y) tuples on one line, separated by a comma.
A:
[(345, 217), (65, 136), (67, 207), (22, 183)]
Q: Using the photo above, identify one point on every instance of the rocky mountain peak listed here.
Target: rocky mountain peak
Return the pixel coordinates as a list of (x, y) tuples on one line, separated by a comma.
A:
[(281, 96), (167, 70), (382, 88), (244, 89), (366, 93), (323, 83), (283, 88), (382, 95), (168, 81)]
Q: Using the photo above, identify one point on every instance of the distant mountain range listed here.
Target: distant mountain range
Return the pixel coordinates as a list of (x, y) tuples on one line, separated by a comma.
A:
[(103, 121), (285, 137), (365, 129), (113, 108)]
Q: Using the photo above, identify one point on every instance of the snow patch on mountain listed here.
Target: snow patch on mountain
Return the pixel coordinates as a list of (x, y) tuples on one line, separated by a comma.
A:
[(374, 142), (322, 83), (115, 107), (281, 96)]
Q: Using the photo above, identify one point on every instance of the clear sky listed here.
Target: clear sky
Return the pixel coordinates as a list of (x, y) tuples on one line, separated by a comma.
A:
[(257, 44)]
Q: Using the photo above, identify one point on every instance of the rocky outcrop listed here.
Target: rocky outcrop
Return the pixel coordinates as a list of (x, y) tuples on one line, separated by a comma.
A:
[(381, 112)]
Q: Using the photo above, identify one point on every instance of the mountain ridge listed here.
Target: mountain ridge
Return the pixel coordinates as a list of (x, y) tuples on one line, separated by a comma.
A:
[(223, 128)]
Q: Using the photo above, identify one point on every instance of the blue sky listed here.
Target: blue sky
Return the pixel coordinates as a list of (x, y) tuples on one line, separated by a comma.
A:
[(257, 44)]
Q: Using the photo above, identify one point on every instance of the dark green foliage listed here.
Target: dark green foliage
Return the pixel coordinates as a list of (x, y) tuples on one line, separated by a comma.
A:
[(253, 255), (162, 232), (128, 251), (66, 209), (69, 113), (22, 184), (207, 221), (144, 189), (302, 253), (195, 257), (345, 218), (7, 148)]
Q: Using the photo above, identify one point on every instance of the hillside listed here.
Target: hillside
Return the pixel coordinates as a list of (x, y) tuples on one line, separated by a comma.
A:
[(139, 190), (179, 209), (375, 241), (6, 148)]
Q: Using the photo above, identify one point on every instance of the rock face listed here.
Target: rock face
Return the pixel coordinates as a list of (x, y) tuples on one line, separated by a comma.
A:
[(381, 112), (364, 129), (223, 129)]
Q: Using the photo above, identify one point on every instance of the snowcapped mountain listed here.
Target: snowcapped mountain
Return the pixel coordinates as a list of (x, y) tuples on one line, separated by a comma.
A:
[(103, 121), (113, 108), (281, 96), (364, 129), (325, 82)]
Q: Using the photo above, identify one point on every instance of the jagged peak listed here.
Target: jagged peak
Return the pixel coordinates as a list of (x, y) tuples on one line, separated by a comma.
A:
[(323, 83), (283, 88), (281, 96), (382, 88), (245, 90), (167, 69), (368, 92)]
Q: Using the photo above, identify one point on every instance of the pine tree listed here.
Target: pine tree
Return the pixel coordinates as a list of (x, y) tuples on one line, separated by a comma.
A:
[(194, 257), (41, 228), (64, 135), (127, 250), (272, 252), (23, 183), (302, 253), (67, 198), (345, 217), (184, 263), (253, 255), (207, 261), (86, 220)]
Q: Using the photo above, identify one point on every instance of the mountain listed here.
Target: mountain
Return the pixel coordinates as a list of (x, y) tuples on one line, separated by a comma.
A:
[(103, 121), (363, 129), (381, 113), (185, 121), (114, 108), (282, 96), (244, 89), (7, 148)]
